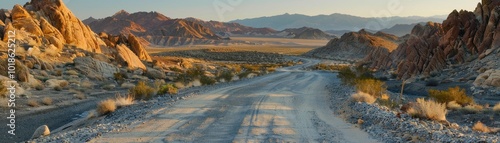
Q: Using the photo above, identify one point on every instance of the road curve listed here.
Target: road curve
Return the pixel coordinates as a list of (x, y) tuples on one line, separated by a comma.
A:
[(290, 105)]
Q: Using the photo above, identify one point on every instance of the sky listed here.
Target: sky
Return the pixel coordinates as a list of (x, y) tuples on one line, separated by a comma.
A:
[(227, 10)]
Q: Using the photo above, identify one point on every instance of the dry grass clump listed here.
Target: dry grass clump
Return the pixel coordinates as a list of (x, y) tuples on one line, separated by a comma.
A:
[(64, 84), (3, 90), (47, 101), (124, 100), (452, 94), (80, 95), (496, 108), (33, 103), (428, 109), (453, 105), (480, 127), (106, 106), (363, 97), (71, 72)]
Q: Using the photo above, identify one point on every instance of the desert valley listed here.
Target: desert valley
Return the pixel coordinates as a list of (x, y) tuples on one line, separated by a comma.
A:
[(147, 77)]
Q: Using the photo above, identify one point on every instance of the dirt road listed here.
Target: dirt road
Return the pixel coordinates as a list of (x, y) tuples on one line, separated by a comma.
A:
[(290, 105)]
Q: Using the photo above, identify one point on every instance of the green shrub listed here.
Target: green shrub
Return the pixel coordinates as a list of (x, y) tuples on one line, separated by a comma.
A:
[(244, 74), (373, 87), (452, 94), (195, 72), (142, 91), (432, 82), (168, 89), (226, 75), (119, 76), (205, 80), (253, 68)]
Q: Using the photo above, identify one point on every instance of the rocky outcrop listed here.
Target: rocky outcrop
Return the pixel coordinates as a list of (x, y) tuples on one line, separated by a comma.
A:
[(355, 46), (72, 29), (127, 58), (49, 22), (95, 69), (138, 49), (463, 37), (41, 131), (418, 54), (489, 78)]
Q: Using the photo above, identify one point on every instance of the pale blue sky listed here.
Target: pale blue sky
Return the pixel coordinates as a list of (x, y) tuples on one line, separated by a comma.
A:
[(226, 10)]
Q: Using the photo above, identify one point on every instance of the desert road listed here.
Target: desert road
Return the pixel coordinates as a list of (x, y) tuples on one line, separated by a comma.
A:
[(291, 105)]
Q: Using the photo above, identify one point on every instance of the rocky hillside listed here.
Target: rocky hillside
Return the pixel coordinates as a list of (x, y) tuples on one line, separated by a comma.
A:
[(400, 29), (48, 34), (155, 28), (465, 39), (305, 33), (233, 29), (354, 46)]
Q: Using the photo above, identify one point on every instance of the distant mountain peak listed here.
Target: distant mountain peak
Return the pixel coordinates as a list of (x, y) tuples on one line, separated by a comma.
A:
[(121, 13)]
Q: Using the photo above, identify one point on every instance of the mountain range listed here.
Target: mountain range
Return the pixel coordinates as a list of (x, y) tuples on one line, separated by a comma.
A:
[(333, 22)]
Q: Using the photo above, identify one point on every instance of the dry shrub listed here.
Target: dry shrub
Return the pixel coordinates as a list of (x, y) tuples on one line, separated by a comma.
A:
[(47, 101), (373, 87), (428, 109), (58, 88), (33, 103), (384, 97), (168, 89), (480, 127), (453, 105), (58, 72), (473, 108), (363, 97), (142, 91), (124, 101), (452, 94), (106, 106), (63, 84), (496, 108)]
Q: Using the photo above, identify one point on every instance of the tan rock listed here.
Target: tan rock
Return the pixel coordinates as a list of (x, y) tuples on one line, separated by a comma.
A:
[(488, 78), (138, 49), (128, 58), (21, 19)]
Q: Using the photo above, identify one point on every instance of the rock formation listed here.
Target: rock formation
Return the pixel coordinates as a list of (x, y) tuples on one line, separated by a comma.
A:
[(138, 49), (228, 29), (128, 58), (463, 37), (95, 69), (355, 46)]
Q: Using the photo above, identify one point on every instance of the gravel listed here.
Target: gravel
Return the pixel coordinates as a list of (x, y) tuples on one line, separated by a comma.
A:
[(385, 125)]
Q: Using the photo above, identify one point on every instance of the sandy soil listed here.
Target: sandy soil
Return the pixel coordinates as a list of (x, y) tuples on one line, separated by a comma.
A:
[(290, 105)]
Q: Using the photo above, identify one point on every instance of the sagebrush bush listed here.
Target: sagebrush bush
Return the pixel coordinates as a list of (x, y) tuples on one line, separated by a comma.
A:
[(452, 94), (473, 108), (428, 109), (347, 76), (205, 80), (363, 97), (106, 106), (119, 76), (373, 87), (168, 89), (142, 91), (480, 127), (195, 72)]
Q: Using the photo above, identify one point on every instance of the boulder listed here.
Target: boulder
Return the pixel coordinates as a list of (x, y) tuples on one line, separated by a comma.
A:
[(128, 58), (155, 73), (138, 49), (41, 131), (489, 78), (95, 69)]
